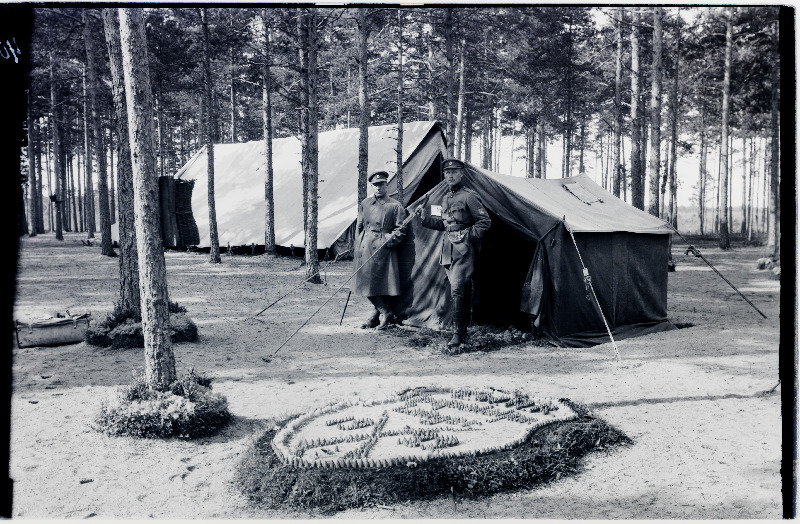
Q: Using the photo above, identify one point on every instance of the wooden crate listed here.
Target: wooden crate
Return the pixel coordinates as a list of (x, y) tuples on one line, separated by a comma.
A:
[(52, 331)]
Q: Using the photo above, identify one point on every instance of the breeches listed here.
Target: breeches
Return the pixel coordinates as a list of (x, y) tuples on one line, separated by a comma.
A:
[(459, 274)]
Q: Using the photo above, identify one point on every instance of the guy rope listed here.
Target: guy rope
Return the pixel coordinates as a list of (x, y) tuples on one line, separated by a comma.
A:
[(589, 287), (696, 252)]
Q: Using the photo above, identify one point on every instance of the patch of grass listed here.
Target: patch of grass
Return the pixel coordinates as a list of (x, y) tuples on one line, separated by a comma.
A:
[(122, 329), (188, 409), (480, 338), (548, 454)]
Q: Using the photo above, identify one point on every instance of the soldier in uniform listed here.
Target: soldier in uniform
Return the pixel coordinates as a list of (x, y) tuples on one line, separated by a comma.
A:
[(380, 220), (465, 220)]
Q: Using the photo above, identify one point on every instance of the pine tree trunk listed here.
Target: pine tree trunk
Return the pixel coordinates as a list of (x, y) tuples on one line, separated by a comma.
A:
[(743, 225), (312, 257), (400, 106), (74, 211), (112, 190), (461, 96), (93, 86), (57, 161), (541, 158), (159, 358), (673, 176), (724, 235), (655, 113), (617, 131), (269, 197), (88, 194), (468, 135), (450, 72), (302, 49), (82, 226), (362, 34), (703, 178), (38, 189), (581, 167), (531, 150), (129, 292), (774, 236), (32, 210), (637, 191), (210, 123)]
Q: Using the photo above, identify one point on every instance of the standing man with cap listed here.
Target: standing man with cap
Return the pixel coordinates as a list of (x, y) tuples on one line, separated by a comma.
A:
[(380, 220), (464, 220)]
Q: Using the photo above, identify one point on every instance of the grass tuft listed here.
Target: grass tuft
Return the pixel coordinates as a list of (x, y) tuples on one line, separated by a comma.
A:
[(553, 451)]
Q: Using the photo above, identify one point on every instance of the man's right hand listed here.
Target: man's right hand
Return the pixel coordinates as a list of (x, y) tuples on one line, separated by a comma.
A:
[(420, 212)]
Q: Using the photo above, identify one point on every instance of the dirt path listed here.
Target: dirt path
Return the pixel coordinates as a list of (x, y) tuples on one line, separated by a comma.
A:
[(707, 443)]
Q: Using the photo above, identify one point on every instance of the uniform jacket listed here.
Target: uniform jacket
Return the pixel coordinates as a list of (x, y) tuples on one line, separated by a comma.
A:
[(464, 219), (379, 220)]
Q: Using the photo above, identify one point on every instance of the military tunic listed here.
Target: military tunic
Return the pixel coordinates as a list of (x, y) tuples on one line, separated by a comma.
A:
[(379, 220), (465, 220)]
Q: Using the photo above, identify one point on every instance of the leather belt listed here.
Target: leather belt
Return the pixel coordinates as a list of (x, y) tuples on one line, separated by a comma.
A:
[(456, 227)]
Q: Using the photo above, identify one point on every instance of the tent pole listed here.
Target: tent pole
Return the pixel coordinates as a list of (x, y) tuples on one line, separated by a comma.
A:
[(588, 279)]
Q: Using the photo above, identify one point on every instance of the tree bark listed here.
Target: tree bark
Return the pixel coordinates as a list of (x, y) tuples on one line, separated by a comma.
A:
[(468, 115), (724, 235), (81, 202), (74, 211), (129, 292), (461, 96), (302, 49), (38, 188), (450, 81), (32, 207), (57, 160), (617, 131), (637, 191), (269, 197), (210, 123), (400, 103), (93, 86), (703, 178), (673, 177), (112, 201), (774, 238), (312, 257), (159, 358), (655, 112), (362, 34), (88, 194)]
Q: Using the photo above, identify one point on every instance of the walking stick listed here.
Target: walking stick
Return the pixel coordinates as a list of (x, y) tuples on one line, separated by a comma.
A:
[(345, 306)]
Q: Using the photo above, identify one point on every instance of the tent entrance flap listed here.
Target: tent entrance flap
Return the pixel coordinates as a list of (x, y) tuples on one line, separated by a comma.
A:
[(501, 273)]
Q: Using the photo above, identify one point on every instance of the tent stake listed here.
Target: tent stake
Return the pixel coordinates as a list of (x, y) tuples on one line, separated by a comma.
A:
[(588, 279)]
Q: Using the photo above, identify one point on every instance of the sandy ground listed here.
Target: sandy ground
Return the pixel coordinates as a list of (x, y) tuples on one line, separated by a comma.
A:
[(707, 441)]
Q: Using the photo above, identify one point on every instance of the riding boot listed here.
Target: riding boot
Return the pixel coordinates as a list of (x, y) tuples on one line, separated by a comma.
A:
[(459, 324)]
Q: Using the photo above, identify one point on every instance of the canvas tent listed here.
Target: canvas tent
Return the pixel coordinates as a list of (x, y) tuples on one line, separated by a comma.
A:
[(529, 268), (239, 183)]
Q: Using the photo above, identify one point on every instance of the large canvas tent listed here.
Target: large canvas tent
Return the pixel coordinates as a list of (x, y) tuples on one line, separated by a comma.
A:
[(529, 269), (239, 175)]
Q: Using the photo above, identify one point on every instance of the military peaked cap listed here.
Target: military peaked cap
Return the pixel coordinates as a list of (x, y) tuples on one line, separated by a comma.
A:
[(452, 163), (378, 176)]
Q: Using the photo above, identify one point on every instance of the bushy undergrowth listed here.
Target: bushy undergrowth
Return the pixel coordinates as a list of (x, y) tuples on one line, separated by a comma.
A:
[(480, 338), (188, 409), (549, 453), (123, 328)]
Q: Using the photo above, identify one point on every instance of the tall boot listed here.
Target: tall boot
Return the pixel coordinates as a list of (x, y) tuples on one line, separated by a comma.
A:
[(459, 323)]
